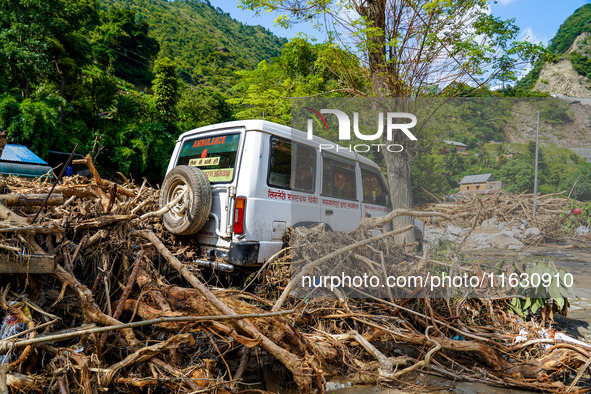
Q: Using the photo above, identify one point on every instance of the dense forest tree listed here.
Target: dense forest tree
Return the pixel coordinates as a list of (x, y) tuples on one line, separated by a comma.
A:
[(303, 69), (95, 73), (166, 89), (43, 50), (207, 45), (122, 44), (202, 106), (41, 42), (66, 79)]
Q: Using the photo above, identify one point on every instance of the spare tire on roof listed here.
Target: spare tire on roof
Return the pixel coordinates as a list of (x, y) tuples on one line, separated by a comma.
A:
[(189, 214)]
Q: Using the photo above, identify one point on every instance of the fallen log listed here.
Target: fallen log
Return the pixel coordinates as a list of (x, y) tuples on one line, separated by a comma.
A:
[(369, 223), (29, 200), (103, 221), (7, 345), (27, 263), (80, 191)]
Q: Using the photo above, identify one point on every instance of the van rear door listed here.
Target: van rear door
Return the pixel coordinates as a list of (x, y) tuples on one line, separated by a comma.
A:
[(217, 154)]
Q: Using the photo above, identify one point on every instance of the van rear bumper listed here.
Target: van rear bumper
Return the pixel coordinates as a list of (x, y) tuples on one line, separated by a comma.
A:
[(239, 253), (244, 253)]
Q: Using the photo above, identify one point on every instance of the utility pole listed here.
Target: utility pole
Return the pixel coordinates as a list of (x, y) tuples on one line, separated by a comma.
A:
[(536, 165)]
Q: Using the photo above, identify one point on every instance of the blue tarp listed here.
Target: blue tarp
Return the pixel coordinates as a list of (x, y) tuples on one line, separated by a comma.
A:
[(20, 154)]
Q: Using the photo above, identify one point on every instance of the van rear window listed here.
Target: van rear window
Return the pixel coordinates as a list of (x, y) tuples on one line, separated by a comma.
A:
[(215, 156)]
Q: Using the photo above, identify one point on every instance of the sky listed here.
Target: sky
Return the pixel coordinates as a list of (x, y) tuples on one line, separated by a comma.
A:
[(537, 19)]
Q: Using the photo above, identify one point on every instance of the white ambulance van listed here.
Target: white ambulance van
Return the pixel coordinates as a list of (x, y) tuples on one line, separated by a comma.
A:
[(249, 180)]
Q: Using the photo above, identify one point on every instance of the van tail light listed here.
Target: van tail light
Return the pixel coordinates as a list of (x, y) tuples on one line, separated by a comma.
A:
[(239, 215)]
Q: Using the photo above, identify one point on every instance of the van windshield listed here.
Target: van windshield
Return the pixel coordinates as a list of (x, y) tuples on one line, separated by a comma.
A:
[(214, 155)]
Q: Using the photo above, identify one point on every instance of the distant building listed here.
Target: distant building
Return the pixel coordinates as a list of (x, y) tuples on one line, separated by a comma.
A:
[(481, 183), (19, 160), (460, 146)]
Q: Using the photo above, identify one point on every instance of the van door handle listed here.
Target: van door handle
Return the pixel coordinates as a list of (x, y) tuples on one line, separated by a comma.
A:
[(328, 212)]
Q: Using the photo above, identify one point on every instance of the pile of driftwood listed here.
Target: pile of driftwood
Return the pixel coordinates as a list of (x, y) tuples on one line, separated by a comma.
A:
[(123, 307), (513, 209)]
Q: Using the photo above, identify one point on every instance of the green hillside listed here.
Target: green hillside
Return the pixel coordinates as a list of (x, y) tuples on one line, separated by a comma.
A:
[(205, 42), (579, 22), (120, 78)]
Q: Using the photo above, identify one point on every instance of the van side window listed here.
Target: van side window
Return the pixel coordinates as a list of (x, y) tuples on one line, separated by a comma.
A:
[(374, 190), (305, 168), (292, 166), (280, 163), (338, 179)]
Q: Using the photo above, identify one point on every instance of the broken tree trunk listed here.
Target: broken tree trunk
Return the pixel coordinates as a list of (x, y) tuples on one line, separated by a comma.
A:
[(100, 181)]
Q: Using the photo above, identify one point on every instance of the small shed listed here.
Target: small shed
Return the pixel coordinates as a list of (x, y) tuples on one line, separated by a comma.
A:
[(19, 160), (481, 183), (460, 146)]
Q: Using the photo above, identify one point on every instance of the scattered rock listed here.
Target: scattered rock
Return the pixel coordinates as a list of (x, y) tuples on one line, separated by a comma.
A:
[(489, 222), (501, 226), (582, 231), (478, 237), (532, 232), (503, 240), (330, 386), (484, 245), (523, 224), (434, 235), (455, 230)]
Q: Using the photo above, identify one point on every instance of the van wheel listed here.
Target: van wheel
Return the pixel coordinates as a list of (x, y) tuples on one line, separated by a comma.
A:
[(190, 214)]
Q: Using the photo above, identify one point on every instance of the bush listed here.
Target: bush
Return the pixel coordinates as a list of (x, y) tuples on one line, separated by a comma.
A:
[(581, 174), (518, 174)]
